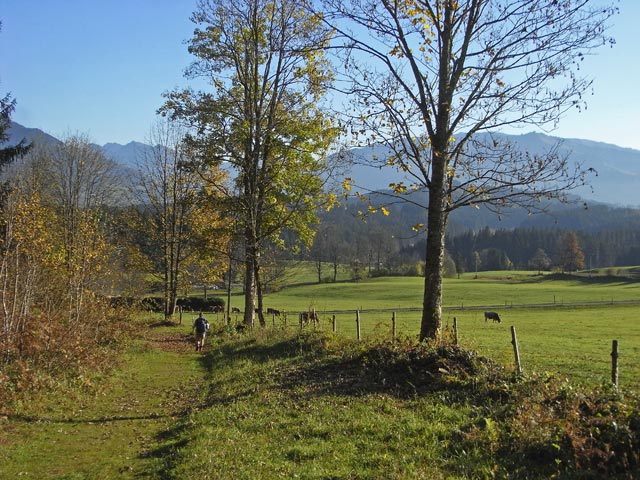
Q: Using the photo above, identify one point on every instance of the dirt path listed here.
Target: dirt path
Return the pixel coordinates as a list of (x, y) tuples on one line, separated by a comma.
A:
[(118, 433)]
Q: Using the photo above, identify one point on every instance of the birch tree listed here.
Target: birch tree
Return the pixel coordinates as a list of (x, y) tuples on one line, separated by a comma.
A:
[(175, 211)]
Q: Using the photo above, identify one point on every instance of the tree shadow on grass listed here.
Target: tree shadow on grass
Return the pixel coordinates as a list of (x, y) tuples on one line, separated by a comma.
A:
[(400, 369), (87, 421), (587, 279), (249, 348)]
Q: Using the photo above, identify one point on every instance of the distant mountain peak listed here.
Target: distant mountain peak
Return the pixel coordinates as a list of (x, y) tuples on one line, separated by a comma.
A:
[(616, 183)]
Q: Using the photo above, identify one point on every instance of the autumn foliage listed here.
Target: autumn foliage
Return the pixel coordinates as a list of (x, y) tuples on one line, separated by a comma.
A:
[(54, 325)]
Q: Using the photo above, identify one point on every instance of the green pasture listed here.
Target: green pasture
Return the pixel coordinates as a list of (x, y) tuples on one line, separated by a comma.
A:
[(498, 288), (564, 324)]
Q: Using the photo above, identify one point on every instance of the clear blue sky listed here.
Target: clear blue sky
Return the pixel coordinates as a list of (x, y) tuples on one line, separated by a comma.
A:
[(99, 67)]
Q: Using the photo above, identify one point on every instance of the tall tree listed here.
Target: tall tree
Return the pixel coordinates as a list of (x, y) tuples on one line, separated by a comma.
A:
[(264, 62), (571, 256), (433, 77), (540, 260), (173, 210), (10, 152)]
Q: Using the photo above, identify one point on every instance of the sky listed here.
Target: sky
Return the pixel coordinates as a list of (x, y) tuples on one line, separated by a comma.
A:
[(99, 68)]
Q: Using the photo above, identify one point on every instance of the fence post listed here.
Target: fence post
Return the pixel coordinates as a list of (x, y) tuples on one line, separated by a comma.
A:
[(335, 326), (614, 363), (300, 318), (180, 311), (514, 341), (393, 325), (358, 324), (455, 331)]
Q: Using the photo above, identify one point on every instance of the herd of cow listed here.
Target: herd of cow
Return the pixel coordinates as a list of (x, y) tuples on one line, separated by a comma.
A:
[(304, 317), (312, 316)]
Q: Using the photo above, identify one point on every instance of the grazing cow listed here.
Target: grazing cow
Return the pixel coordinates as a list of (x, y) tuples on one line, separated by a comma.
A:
[(273, 311), (217, 309), (306, 317), (235, 310), (492, 316)]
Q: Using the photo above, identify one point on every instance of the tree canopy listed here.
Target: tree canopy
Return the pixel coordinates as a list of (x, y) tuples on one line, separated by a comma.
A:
[(265, 64), (433, 79)]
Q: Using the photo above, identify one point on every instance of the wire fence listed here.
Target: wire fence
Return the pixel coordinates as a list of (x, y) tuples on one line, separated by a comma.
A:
[(388, 323)]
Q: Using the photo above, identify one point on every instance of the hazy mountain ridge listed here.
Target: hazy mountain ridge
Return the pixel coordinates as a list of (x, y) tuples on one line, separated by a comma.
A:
[(617, 181), (123, 155), (617, 169)]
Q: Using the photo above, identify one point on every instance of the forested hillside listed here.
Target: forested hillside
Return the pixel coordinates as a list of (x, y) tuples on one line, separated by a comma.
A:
[(478, 239)]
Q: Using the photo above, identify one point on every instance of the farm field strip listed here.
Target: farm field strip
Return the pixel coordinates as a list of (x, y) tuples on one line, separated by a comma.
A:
[(564, 326)]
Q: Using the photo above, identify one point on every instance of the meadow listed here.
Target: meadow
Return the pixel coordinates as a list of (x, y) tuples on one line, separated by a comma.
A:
[(564, 324), (283, 403)]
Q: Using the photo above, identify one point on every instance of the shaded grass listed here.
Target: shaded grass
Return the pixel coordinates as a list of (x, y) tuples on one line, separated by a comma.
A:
[(281, 404)]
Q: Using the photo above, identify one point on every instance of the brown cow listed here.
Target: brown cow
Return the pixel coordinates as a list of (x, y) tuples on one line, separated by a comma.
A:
[(307, 317)]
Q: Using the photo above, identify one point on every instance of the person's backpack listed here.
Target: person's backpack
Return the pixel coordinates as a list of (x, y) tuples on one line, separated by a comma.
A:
[(201, 325)]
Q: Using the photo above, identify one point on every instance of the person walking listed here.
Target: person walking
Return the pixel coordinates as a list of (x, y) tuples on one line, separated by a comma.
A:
[(200, 325)]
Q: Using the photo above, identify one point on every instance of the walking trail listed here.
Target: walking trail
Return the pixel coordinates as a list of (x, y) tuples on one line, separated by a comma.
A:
[(117, 431)]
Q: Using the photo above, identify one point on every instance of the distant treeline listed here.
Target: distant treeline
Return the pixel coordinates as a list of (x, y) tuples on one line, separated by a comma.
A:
[(517, 248), (156, 304), (387, 244)]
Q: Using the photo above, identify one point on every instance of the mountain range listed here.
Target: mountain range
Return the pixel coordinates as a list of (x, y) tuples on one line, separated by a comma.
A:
[(617, 181)]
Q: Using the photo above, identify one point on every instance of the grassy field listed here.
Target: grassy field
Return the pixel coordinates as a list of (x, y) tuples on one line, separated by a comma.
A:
[(556, 332), (112, 429), (277, 403), (494, 288)]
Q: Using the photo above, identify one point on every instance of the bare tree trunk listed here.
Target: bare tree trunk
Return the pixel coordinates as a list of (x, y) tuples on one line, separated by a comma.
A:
[(259, 295), (319, 269), (432, 306), (250, 280), (436, 228)]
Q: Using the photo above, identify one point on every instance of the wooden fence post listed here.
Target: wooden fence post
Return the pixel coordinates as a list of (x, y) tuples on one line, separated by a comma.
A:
[(514, 341), (455, 331), (393, 325), (614, 363), (335, 326), (358, 324)]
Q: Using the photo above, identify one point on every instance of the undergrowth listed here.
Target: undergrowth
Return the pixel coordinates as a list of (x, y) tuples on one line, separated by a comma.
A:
[(56, 358)]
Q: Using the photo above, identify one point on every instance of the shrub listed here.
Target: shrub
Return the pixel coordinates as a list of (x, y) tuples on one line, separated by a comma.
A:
[(212, 304)]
